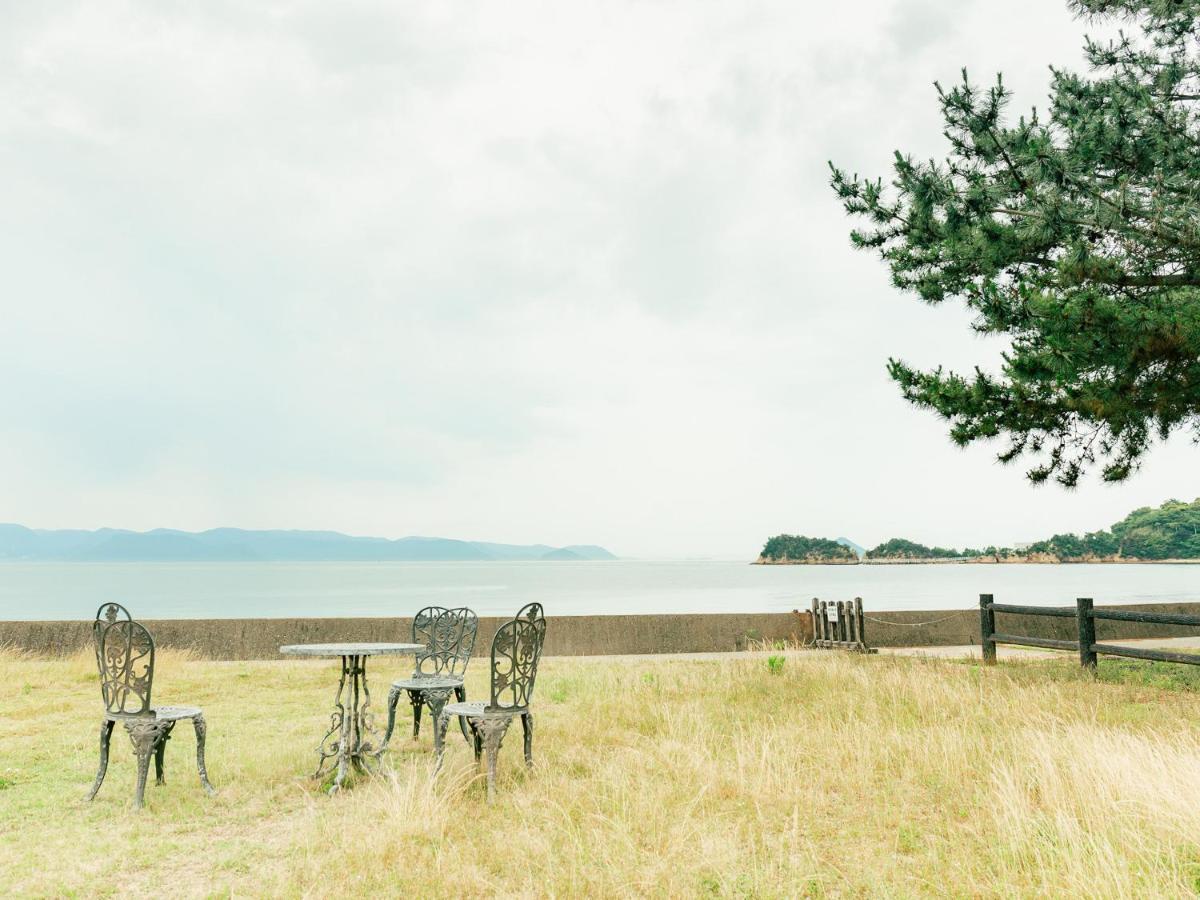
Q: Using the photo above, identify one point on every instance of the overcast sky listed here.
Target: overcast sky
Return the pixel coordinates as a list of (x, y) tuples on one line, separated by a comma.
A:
[(557, 272)]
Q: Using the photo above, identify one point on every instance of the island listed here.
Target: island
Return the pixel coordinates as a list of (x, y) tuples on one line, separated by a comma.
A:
[(1169, 533), (793, 549)]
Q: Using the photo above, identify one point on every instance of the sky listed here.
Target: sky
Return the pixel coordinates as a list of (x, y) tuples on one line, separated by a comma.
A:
[(526, 272)]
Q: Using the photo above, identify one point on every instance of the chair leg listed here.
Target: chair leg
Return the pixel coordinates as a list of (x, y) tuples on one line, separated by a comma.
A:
[(493, 728), (527, 727), (201, 727), (460, 695), (160, 752), (417, 701), (476, 740), (439, 738), (436, 699), (106, 729), (393, 699), (144, 735)]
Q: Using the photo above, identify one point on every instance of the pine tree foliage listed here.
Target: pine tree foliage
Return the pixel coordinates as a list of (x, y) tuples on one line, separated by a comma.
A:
[(1076, 236)]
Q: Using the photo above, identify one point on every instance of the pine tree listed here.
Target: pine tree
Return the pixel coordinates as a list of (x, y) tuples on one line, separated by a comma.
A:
[(1077, 236)]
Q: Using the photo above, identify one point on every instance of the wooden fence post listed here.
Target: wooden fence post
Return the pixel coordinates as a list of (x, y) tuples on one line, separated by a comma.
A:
[(1087, 632), (987, 627), (860, 621)]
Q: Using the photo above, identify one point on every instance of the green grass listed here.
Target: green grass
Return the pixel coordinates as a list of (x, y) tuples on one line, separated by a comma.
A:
[(1158, 675)]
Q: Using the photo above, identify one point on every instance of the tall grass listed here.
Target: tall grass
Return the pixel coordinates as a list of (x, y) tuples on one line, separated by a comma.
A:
[(833, 775)]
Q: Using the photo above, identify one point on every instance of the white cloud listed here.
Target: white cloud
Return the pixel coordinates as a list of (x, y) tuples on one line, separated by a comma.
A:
[(531, 271)]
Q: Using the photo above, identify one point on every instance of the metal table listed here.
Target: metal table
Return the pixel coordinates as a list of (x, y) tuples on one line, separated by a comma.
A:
[(352, 738)]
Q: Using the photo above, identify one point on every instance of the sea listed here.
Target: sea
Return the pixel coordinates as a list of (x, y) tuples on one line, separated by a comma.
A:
[(66, 591)]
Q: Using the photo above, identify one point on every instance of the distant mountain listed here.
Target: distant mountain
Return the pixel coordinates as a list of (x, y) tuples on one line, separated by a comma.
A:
[(588, 551), (239, 545), (563, 555), (859, 551)]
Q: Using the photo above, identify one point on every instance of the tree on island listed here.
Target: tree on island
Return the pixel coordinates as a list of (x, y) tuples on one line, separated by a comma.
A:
[(901, 548), (1077, 236), (1170, 531), (798, 548)]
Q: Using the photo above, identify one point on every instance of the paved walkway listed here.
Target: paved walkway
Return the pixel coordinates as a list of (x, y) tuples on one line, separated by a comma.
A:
[(1007, 651), (1003, 651)]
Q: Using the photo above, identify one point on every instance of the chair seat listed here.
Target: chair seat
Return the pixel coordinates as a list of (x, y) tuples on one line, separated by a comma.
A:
[(432, 682), (159, 714), (479, 708)]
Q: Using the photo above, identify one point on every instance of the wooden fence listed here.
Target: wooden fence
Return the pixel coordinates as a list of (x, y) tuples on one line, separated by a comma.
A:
[(1085, 616), (839, 626)]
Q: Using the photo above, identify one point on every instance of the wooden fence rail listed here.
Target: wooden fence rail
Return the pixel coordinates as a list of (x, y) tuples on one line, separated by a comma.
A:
[(1085, 616)]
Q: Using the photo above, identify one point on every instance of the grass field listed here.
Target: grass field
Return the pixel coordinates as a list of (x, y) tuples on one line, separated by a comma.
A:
[(837, 775)]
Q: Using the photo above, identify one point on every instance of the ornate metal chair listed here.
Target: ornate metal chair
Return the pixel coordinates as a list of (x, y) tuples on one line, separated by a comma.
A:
[(516, 650), (530, 611), (125, 658), (449, 638)]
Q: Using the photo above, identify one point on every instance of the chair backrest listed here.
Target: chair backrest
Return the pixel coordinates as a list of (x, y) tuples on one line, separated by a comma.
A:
[(531, 611), (422, 627), (516, 650), (125, 653), (422, 631), (105, 615), (449, 639)]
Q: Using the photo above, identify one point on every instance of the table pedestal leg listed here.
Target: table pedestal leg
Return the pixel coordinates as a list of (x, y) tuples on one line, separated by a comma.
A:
[(352, 740), (331, 745)]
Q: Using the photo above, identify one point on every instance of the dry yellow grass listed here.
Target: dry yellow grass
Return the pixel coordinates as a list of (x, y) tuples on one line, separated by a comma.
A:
[(843, 775)]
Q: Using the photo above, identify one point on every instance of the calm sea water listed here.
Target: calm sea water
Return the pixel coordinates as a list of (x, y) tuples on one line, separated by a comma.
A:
[(249, 590)]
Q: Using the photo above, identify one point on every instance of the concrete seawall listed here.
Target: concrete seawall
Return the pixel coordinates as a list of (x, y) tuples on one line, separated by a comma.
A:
[(587, 635), (565, 636)]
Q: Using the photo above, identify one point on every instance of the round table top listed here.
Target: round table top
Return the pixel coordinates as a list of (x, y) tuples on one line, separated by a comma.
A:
[(350, 649)]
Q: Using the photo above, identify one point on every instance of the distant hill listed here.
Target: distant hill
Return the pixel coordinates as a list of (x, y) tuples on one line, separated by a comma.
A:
[(859, 550), (238, 545), (1166, 533), (562, 555), (1169, 531)]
